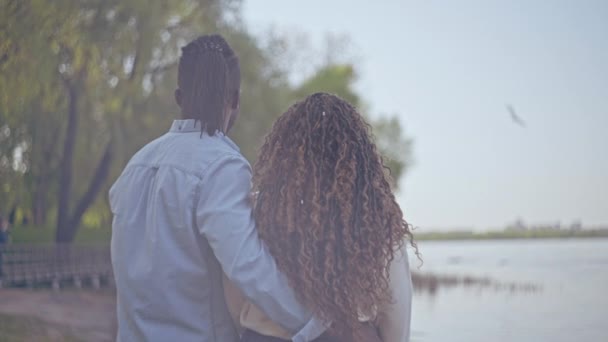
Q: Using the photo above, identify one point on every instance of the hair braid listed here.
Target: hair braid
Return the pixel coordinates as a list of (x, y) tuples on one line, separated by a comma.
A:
[(209, 78)]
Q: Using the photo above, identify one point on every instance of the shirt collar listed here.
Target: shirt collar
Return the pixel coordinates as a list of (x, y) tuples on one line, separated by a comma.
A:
[(185, 126), (191, 125)]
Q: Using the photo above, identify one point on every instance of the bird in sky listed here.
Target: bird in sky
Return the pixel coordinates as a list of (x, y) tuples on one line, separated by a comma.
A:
[(516, 119)]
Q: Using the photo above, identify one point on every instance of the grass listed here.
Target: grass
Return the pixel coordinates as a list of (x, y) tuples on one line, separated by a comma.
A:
[(24, 328), (430, 283), (46, 235)]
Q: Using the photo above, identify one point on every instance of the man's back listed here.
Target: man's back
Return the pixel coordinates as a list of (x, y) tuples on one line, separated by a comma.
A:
[(169, 282)]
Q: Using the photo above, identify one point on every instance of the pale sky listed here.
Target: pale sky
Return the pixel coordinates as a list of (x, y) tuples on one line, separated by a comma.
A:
[(448, 68)]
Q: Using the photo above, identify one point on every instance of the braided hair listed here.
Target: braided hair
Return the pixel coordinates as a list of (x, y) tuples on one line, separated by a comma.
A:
[(326, 210), (209, 78)]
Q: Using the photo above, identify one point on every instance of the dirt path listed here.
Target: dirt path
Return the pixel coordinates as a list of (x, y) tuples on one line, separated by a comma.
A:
[(89, 315)]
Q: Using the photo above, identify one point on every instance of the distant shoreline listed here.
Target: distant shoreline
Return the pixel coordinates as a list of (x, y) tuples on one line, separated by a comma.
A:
[(99, 235), (510, 234)]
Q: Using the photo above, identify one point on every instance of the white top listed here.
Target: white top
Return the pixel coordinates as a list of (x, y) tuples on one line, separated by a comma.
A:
[(392, 320)]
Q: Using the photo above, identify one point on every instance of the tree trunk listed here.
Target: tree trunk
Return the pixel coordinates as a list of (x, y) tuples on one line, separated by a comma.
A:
[(101, 174), (65, 177), (40, 204), (45, 172)]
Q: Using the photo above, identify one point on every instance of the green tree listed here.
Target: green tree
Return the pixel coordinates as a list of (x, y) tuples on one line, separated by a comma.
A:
[(93, 67), (393, 144), (86, 83)]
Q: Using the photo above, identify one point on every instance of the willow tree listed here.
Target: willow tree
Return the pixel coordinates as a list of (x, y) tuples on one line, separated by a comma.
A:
[(85, 83), (77, 78)]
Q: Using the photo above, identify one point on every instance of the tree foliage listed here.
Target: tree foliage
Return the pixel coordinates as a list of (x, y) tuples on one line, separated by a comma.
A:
[(85, 83)]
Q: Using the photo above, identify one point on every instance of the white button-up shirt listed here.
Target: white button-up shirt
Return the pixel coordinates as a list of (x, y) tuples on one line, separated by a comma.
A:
[(182, 215)]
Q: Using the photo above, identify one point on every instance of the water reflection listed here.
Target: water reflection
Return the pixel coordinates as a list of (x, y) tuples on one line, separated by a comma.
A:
[(511, 290), (430, 283)]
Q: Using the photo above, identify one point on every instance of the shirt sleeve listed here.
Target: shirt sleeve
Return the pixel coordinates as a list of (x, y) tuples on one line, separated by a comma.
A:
[(394, 318), (224, 217)]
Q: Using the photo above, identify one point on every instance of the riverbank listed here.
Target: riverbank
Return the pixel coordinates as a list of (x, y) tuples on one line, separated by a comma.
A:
[(86, 315), (44, 315), (102, 236), (510, 234), (15, 328)]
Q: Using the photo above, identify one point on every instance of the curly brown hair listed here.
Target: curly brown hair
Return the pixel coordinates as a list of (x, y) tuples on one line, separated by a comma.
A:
[(326, 210)]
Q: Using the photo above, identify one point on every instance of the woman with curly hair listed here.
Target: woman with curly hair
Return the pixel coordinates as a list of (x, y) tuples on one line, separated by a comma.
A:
[(326, 211)]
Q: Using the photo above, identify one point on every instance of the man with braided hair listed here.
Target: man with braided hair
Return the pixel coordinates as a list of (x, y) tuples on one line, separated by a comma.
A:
[(182, 217)]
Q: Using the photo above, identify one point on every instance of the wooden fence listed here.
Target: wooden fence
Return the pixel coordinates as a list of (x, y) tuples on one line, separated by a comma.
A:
[(55, 266)]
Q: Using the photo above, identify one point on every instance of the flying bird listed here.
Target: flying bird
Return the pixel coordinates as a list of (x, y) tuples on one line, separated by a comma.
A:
[(516, 119)]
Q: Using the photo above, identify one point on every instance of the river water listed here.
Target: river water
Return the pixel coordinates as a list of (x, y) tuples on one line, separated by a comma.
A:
[(543, 290)]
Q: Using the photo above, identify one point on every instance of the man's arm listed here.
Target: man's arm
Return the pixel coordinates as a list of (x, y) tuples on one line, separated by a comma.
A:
[(224, 217)]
